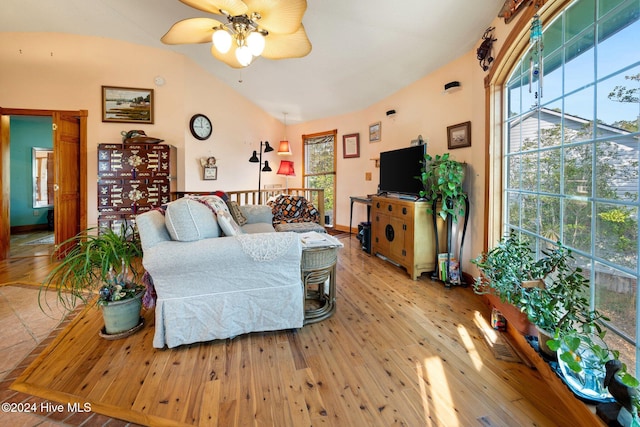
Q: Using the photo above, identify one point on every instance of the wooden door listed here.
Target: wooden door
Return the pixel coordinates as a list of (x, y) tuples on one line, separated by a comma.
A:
[(5, 221), (70, 172), (397, 250), (50, 175), (67, 172)]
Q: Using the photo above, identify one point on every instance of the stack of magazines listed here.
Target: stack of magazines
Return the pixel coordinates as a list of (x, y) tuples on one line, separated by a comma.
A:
[(313, 239)]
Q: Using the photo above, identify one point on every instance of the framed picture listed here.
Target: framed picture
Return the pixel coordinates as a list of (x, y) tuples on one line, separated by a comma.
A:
[(459, 136), (351, 145), (127, 105), (375, 132), (210, 173)]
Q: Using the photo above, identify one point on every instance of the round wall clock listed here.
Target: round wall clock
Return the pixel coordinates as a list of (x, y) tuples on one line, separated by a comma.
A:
[(200, 127)]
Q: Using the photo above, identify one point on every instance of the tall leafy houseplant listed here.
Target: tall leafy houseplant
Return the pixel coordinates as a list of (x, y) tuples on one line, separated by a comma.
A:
[(443, 177), (97, 263)]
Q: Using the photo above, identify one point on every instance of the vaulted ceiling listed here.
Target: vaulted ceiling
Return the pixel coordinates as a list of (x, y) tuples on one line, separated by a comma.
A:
[(363, 50)]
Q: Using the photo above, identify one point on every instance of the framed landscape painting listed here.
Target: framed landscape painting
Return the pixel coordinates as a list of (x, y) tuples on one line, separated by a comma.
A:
[(127, 105), (375, 132), (459, 135)]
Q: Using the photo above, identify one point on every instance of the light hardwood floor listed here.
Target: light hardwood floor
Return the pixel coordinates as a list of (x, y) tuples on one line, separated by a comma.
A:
[(397, 352)]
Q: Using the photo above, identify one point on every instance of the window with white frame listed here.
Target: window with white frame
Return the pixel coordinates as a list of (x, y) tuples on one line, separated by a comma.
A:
[(571, 154)]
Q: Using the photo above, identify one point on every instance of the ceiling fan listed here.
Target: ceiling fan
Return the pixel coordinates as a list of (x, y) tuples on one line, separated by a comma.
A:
[(250, 28)]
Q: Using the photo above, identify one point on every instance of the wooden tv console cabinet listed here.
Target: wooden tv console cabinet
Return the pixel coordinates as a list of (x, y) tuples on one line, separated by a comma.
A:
[(402, 232)]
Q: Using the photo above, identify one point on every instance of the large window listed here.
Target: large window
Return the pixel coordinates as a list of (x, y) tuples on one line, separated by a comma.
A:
[(320, 168), (571, 157)]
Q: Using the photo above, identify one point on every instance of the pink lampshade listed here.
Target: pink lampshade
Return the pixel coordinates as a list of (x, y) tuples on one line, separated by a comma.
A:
[(284, 149), (286, 168)]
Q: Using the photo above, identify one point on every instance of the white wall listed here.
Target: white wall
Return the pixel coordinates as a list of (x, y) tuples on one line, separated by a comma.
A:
[(65, 72), (62, 71)]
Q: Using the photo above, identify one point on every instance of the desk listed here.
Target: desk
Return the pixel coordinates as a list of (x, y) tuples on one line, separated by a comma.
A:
[(359, 199)]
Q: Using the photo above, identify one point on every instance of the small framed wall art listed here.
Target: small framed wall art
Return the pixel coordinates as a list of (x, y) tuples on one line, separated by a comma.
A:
[(210, 173), (459, 135), (351, 145), (375, 132), (127, 105)]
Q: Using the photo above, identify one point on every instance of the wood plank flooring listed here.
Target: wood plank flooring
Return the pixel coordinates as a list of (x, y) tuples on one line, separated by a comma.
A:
[(397, 352)]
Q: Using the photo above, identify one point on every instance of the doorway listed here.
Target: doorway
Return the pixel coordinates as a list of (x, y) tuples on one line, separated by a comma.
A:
[(69, 171)]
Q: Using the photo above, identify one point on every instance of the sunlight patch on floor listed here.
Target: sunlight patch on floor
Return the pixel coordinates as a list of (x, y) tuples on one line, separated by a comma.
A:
[(435, 393), (476, 359), (490, 334)]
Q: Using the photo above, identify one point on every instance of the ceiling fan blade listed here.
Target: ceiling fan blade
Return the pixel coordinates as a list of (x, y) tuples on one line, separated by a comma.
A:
[(281, 46), (233, 7), (279, 16), (228, 58), (193, 30)]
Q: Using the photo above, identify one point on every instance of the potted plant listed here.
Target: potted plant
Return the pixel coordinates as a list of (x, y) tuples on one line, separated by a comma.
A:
[(549, 291), (504, 269), (558, 304), (589, 365), (442, 178), (100, 264)]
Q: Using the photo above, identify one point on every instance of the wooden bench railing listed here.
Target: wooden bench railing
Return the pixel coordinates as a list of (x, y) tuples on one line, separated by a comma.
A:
[(255, 197)]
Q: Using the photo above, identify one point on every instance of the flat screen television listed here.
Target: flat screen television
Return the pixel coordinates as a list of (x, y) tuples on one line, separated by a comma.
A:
[(399, 169)]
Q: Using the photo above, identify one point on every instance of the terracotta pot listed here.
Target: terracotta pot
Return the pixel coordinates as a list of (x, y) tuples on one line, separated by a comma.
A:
[(514, 316)]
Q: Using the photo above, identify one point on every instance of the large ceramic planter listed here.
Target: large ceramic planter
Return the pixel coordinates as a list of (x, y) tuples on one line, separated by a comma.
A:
[(514, 316), (121, 316)]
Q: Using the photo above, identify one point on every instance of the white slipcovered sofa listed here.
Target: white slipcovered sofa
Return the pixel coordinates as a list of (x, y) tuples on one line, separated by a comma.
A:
[(216, 279)]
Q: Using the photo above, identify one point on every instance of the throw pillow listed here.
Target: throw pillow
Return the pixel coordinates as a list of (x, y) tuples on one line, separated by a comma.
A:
[(228, 225), (216, 203), (187, 220), (236, 213)]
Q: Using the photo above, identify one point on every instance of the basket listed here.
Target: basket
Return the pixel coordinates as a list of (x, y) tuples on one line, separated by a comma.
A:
[(318, 258)]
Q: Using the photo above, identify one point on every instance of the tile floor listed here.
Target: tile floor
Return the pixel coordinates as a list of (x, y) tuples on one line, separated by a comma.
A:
[(26, 331), (25, 326), (28, 324)]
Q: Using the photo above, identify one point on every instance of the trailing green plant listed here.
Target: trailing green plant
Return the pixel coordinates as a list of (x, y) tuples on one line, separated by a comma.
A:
[(571, 342), (442, 178), (571, 349), (96, 261)]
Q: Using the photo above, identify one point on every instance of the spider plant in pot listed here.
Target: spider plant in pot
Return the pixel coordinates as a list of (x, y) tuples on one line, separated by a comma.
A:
[(100, 264), (442, 178)]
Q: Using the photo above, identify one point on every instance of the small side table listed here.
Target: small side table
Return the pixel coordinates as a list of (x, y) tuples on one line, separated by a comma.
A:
[(359, 199), (318, 271)]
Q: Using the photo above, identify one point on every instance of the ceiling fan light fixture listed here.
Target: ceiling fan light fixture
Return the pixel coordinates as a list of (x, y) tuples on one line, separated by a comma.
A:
[(255, 41), (221, 40), (243, 55), (242, 33)]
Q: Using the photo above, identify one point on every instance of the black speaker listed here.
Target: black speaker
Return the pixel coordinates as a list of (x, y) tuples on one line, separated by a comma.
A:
[(364, 236), (451, 85)]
